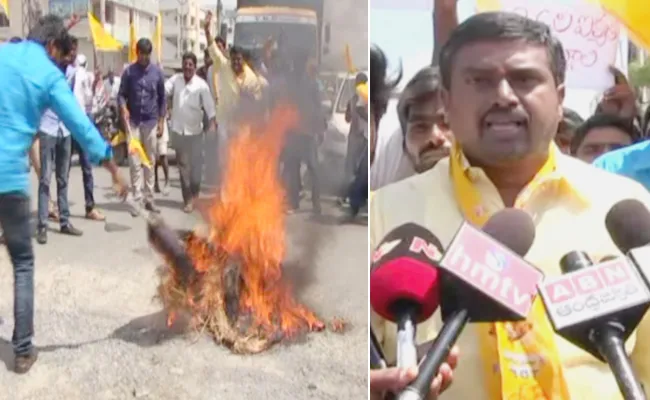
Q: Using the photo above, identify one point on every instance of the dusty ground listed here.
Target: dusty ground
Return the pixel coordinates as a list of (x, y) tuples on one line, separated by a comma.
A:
[(101, 336)]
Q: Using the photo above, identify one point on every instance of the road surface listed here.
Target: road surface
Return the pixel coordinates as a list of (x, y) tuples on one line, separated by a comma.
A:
[(101, 335)]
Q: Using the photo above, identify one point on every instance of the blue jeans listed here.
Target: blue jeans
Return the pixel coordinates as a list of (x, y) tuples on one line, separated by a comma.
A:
[(55, 156), (15, 221), (87, 175)]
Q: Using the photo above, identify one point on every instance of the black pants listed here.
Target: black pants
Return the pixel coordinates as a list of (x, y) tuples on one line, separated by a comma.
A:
[(358, 193), (87, 175), (298, 150), (189, 159)]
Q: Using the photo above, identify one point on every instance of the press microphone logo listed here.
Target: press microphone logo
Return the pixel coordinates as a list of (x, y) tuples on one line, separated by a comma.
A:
[(493, 269), (385, 248), (593, 292)]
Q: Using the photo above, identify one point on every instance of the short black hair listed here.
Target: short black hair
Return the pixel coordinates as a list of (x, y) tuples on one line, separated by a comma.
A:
[(50, 28), (602, 121), (571, 120), (236, 50), (15, 39), (503, 26), (190, 56), (220, 40), (380, 86), (361, 78), (426, 82), (144, 46)]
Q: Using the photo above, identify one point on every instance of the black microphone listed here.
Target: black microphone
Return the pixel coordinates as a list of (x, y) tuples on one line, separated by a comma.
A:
[(480, 263), (404, 284), (628, 224)]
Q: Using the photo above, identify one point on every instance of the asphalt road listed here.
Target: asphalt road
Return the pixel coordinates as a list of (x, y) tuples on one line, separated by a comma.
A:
[(101, 335)]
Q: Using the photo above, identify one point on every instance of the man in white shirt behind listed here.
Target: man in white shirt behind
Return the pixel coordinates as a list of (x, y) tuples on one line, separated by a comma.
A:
[(190, 99)]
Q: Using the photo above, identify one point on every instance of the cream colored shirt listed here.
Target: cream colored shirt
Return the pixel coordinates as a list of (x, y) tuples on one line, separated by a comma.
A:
[(563, 223), (228, 85), (189, 101)]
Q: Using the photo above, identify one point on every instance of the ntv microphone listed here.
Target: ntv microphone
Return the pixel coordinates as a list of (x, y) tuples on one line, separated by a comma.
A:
[(484, 280), (404, 284), (597, 307)]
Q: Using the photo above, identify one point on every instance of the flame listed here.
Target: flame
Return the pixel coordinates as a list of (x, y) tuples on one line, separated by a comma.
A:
[(246, 242)]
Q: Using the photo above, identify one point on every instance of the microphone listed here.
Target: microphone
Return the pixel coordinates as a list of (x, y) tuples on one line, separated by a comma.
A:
[(628, 224), (404, 284), (597, 307), (487, 267)]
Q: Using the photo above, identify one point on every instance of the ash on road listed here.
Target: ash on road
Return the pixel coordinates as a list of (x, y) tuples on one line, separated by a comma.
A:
[(101, 335)]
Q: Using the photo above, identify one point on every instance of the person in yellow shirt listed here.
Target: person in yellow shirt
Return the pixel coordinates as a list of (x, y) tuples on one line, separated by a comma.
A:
[(503, 88), (235, 78)]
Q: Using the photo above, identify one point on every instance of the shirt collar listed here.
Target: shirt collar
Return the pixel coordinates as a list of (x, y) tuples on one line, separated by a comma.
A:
[(561, 178)]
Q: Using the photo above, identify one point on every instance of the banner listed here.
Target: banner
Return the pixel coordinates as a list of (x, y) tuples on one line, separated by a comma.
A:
[(102, 40), (590, 36)]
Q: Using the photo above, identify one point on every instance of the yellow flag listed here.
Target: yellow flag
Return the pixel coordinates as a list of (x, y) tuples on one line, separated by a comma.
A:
[(634, 15), (132, 42), (135, 147), (487, 5), (157, 38), (362, 91), (348, 60), (102, 40), (5, 6)]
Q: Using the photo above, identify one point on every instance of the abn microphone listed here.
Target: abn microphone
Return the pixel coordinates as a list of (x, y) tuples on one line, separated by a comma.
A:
[(404, 284), (486, 276)]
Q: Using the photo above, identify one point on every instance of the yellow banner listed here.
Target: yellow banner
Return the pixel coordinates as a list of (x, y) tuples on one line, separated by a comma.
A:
[(634, 15), (102, 40), (132, 42), (157, 38)]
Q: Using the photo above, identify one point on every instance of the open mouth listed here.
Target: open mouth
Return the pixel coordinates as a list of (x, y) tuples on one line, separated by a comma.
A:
[(505, 129)]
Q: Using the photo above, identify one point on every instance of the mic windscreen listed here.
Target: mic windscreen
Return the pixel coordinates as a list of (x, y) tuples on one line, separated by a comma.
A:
[(404, 268), (513, 228), (628, 224)]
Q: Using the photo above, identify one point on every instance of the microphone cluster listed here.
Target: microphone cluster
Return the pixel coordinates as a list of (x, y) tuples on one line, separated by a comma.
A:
[(482, 277)]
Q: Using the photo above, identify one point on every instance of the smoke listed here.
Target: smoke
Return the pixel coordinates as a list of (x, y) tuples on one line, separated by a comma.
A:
[(307, 240)]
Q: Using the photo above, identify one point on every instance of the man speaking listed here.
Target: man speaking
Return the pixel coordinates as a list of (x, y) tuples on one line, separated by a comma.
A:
[(502, 88)]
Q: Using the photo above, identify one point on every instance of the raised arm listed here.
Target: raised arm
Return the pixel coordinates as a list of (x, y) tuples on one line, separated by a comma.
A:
[(218, 58), (445, 20)]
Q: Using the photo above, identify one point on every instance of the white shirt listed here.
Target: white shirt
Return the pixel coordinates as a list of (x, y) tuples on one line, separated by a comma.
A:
[(83, 88), (391, 162), (189, 101)]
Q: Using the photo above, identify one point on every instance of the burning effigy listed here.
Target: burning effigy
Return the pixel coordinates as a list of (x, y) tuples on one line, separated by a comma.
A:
[(228, 279)]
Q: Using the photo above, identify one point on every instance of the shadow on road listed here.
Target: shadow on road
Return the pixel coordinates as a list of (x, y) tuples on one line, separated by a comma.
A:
[(146, 331), (149, 330)]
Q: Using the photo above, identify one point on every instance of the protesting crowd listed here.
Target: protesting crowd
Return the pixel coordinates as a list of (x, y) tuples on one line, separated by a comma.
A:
[(483, 129), (51, 104)]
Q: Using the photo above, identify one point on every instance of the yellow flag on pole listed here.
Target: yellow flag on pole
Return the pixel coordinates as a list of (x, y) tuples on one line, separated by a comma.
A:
[(5, 6), (634, 15), (348, 60), (102, 40), (157, 38), (132, 42)]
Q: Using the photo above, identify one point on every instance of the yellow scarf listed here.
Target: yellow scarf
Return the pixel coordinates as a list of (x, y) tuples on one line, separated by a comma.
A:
[(511, 350)]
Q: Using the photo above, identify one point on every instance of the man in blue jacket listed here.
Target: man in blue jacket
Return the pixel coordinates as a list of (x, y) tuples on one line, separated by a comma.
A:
[(32, 81)]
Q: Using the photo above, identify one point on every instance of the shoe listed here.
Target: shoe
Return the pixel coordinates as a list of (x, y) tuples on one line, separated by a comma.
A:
[(23, 363), (41, 235), (188, 208), (95, 215), (71, 230), (151, 208)]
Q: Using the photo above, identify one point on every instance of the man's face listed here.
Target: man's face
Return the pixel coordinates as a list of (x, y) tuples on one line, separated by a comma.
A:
[(143, 59), (599, 141), (563, 139), (221, 46), (189, 68), (237, 62), (503, 104), (425, 141)]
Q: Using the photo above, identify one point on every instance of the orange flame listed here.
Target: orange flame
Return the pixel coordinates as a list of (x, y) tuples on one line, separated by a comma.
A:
[(247, 225)]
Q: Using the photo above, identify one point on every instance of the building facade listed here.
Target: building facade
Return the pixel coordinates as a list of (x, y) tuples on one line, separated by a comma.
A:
[(114, 14), (183, 22)]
